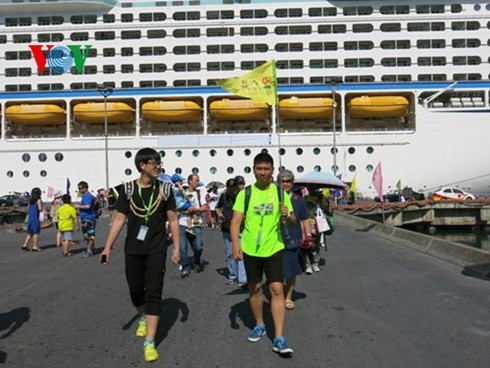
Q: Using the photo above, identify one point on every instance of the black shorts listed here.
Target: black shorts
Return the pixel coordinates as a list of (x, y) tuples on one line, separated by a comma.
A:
[(273, 267)]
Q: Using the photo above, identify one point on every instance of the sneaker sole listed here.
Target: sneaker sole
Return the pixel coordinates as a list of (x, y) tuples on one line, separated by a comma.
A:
[(287, 351), (255, 339)]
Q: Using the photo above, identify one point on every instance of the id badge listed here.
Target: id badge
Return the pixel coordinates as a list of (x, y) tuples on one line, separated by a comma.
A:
[(142, 233)]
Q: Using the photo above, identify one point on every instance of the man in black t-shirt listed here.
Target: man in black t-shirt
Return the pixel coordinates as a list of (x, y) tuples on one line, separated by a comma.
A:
[(147, 205)]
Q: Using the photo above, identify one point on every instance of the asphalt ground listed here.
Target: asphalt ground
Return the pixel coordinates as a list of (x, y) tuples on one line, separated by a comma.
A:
[(374, 304)]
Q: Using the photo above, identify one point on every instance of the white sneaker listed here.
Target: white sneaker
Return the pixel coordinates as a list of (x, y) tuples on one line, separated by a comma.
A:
[(316, 268), (309, 270)]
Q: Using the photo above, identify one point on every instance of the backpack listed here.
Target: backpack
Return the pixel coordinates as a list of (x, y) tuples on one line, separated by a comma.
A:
[(164, 190), (248, 194)]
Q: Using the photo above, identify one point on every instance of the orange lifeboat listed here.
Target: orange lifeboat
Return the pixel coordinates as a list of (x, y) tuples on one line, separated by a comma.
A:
[(171, 111), (378, 107), (95, 113), (238, 110), (306, 108), (36, 114)]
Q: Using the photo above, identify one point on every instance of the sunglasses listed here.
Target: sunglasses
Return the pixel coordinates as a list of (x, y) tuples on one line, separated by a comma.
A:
[(286, 180)]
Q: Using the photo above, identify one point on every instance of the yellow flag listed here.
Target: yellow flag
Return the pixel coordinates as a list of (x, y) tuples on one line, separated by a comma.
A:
[(353, 184), (259, 84), (399, 185)]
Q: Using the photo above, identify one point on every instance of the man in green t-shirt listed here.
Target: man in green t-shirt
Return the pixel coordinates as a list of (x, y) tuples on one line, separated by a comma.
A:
[(261, 246)]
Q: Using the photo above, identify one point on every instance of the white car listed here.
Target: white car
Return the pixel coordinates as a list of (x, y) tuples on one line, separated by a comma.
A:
[(452, 194)]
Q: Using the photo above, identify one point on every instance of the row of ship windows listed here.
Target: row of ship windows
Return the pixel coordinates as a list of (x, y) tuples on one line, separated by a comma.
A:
[(244, 31), (263, 47), (281, 81), (230, 14), (42, 157), (281, 65)]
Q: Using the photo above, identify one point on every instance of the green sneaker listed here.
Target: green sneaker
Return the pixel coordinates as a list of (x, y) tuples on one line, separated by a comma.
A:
[(141, 330), (151, 353)]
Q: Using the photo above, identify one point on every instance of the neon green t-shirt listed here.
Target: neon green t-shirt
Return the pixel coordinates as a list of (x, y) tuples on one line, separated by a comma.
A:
[(67, 214), (261, 236)]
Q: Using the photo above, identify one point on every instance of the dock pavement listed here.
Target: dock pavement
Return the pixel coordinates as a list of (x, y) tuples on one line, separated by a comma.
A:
[(373, 304)]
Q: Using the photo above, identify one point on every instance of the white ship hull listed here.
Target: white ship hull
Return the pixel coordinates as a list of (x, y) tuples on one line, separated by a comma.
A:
[(441, 140)]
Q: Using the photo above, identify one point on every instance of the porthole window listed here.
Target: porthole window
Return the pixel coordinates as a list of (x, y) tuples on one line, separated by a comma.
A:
[(247, 169), (247, 152), (229, 152), (212, 153), (369, 168), (161, 153), (332, 150), (58, 156), (195, 170), (178, 170), (264, 150), (300, 169), (26, 157), (299, 151), (230, 170), (334, 169), (282, 151), (43, 173), (477, 7), (128, 154), (10, 174), (317, 168), (213, 170), (370, 150), (281, 168), (128, 172), (42, 157), (195, 153), (178, 153), (316, 150), (26, 174), (352, 168), (351, 150)]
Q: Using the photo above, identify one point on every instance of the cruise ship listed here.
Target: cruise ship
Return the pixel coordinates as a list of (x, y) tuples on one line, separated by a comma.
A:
[(85, 84)]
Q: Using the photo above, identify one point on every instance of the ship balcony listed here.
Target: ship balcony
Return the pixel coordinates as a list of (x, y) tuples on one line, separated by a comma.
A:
[(16, 7)]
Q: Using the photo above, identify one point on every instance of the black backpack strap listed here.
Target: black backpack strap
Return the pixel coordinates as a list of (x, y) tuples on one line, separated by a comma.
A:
[(129, 188), (248, 194), (165, 190)]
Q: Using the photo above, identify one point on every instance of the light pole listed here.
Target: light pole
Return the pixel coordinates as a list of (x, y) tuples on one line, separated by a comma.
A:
[(106, 92), (332, 81)]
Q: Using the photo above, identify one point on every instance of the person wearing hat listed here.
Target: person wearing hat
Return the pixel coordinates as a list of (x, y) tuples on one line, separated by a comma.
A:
[(181, 201), (53, 213)]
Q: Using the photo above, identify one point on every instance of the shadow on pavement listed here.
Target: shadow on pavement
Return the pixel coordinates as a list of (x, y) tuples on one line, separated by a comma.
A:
[(480, 271), (11, 322)]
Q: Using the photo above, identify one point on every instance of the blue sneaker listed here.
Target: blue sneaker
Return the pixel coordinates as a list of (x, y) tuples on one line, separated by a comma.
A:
[(280, 345), (256, 333)]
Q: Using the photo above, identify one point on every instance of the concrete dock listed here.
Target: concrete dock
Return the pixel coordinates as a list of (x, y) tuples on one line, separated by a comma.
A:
[(375, 303)]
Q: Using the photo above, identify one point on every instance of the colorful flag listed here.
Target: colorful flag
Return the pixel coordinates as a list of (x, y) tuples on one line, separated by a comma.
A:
[(259, 84), (399, 185), (68, 184), (50, 191), (378, 181), (353, 184)]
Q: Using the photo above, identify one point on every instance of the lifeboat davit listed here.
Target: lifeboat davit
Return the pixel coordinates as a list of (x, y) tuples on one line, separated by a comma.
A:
[(378, 107), (36, 114), (306, 108), (94, 113), (170, 111), (238, 110)]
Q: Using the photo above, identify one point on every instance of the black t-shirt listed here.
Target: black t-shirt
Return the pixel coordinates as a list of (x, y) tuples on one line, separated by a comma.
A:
[(155, 238), (225, 203)]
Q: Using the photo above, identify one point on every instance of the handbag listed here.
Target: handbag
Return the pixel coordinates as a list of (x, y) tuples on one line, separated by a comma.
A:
[(321, 222), (42, 216)]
